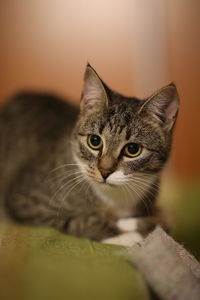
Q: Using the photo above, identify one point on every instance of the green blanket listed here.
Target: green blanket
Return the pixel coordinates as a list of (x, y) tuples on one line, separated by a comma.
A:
[(40, 264)]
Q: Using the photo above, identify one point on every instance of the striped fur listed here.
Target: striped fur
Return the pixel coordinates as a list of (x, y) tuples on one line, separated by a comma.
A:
[(51, 177)]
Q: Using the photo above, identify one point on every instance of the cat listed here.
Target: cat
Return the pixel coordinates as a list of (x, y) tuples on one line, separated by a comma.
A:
[(92, 171)]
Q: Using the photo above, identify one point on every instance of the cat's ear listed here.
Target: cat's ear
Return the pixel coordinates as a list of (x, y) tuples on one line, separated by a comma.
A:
[(163, 106), (94, 97)]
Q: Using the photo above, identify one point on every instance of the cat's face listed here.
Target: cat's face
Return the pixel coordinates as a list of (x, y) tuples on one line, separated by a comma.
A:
[(119, 140)]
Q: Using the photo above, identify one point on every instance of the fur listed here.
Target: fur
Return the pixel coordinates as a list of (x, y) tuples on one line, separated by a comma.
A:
[(50, 176)]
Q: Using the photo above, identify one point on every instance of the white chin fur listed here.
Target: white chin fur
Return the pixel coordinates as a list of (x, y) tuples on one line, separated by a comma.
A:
[(116, 178)]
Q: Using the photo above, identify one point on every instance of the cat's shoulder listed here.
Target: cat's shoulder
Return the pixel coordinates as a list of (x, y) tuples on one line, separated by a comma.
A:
[(40, 102)]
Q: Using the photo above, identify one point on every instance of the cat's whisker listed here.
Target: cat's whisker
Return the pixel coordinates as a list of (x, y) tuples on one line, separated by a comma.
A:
[(89, 187), (144, 191), (129, 194), (145, 176), (135, 190), (149, 184), (125, 193), (140, 195), (151, 179), (145, 187), (67, 175), (62, 171), (69, 191), (57, 181), (140, 192), (63, 166), (56, 173), (64, 185), (66, 188)]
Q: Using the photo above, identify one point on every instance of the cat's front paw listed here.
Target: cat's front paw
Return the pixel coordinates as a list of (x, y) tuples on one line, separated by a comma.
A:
[(127, 239), (127, 224)]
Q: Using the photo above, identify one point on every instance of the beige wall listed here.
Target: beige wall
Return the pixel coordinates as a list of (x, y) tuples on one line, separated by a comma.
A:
[(46, 44), (184, 34), (136, 45)]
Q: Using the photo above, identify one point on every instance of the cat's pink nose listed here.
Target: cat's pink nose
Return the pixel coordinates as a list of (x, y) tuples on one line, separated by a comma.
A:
[(105, 173)]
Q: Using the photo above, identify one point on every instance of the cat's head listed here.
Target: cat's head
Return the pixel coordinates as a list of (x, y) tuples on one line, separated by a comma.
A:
[(118, 139)]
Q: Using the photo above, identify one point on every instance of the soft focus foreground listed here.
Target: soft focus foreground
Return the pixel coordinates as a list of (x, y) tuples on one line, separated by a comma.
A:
[(44, 264)]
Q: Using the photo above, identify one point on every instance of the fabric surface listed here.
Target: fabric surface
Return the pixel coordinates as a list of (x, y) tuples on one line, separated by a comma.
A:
[(170, 270), (43, 264)]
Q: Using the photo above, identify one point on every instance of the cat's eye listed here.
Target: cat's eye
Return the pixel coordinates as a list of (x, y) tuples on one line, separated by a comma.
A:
[(132, 150), (94, 141)]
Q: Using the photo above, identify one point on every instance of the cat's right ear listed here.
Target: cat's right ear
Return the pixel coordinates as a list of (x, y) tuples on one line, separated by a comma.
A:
[(94, 97), (163, 107)]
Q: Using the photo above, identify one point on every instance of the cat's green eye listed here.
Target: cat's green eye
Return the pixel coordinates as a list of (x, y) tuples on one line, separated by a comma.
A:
[(94, 141), (132, 150)]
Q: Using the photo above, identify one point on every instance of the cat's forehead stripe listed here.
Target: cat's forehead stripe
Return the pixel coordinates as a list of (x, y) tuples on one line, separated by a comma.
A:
[(117, 116), (102, 126), (128, 134)]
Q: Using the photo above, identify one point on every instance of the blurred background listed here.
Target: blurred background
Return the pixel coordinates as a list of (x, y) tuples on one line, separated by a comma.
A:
[(136, 46)]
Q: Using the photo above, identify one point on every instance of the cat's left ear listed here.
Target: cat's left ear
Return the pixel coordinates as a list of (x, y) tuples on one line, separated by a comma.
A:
[(163, 106), (94, 97)]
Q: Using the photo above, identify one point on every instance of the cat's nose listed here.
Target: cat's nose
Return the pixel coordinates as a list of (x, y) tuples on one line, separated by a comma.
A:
[(105, 173), (106, 165)]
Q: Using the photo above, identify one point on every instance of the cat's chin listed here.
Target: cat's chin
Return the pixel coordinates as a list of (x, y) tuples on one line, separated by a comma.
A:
[(100, 183), (104, 185)]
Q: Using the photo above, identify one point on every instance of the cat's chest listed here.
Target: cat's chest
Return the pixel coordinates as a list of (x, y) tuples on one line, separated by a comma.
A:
[(122, 202)]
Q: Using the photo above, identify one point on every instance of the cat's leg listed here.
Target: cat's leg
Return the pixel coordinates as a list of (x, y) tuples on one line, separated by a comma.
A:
[(28, 199), (92, 224), (32, 208), (129, 234), (136, 229), (104, 227), (127, 239)]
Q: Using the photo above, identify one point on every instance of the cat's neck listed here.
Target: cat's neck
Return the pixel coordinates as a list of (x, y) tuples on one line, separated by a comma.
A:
[(123, 199), (118, 198)]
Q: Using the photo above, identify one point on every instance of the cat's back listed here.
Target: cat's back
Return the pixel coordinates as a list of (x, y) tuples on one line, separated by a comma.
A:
[(36, 109), (31, 126)]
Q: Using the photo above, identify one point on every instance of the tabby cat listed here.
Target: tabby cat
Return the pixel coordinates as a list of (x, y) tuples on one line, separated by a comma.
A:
[(92, 172)]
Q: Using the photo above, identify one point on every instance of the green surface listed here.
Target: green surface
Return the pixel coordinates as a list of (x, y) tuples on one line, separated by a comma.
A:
[(44, 264), (187, 219), (41, 263)]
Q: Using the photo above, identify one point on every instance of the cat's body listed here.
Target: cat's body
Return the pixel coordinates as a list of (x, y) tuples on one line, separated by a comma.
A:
[(52, 175)]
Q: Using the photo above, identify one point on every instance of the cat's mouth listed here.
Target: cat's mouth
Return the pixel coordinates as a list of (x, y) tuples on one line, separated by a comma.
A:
[(105, 183), (114, 179)]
